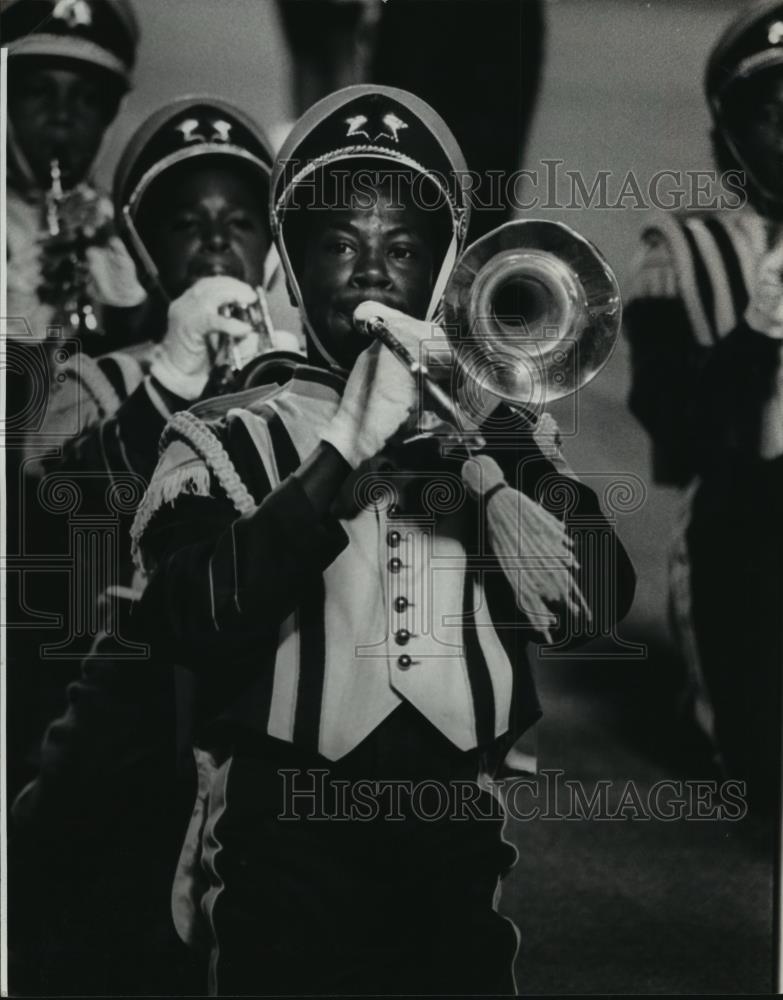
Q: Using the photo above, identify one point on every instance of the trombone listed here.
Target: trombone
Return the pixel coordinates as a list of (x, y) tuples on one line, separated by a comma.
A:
[(531, 311)]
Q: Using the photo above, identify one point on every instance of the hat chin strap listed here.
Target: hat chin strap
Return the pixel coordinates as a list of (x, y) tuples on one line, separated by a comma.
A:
[(315, 342)]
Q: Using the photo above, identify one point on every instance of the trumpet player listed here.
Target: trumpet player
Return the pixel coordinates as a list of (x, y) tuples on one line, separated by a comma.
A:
[(706, 333), (190, 196), (292, 543), (70, 65), (190, 200)]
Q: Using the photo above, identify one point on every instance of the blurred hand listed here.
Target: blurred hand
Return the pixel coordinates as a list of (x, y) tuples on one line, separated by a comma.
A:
[(113, 280), (184, 360), (765, 308), (381, 394)]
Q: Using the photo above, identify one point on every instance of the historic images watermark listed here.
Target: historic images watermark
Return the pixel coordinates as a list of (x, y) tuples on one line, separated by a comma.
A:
[(314, 795), (547, 185)]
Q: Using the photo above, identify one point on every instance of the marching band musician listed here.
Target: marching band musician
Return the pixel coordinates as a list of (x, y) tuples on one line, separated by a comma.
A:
[(706, 334), (303, 604), (70, 64), (190, 194), (190, 197)]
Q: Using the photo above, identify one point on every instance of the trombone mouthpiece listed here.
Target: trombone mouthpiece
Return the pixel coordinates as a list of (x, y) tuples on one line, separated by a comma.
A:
[(373, 327)]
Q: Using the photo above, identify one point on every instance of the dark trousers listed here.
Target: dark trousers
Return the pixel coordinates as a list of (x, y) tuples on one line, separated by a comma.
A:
[(389, 904), (736, 546)]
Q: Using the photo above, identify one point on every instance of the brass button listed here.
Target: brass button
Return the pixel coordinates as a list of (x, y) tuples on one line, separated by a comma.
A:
[(400, 604), (393, 538), (404, 661), (402, 636), (395, 565)]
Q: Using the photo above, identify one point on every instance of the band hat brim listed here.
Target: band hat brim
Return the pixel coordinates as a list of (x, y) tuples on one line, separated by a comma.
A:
[(189, 153), (163, 117), (69, 47), (368, 152), (748, 68), (180, 156)]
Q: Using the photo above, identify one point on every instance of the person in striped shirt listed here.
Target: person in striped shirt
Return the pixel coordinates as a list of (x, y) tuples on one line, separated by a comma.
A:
[(318, 566), (705, 326)]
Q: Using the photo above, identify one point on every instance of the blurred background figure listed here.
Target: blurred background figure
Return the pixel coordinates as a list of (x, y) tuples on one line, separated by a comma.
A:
[(705, 326), (70, 65), (71, 284), (110, 793), (488, 102)]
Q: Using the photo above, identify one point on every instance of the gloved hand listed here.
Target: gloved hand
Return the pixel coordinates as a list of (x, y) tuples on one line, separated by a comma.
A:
[(113, 280), (183, 362), (284, 340), (381, 395), (764, 312)]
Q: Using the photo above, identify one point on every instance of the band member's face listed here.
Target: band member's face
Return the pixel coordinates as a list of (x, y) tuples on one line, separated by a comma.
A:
[(381, 252), (758, 131), (204, 221), (59, 112)]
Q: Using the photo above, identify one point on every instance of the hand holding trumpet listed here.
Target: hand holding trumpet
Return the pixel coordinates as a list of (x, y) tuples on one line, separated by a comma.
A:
[(196, 325)]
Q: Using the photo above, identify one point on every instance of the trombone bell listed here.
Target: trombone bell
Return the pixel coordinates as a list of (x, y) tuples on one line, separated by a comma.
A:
[(532, 311)]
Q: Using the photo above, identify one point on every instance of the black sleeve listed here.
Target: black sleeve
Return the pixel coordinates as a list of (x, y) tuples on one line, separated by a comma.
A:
[(701, 405), (113, 746), (221, 581), (126, 441), (666, 364), (736, 381)]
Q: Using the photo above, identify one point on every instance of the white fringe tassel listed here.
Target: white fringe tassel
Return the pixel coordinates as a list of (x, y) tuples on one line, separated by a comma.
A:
[(532, 546)]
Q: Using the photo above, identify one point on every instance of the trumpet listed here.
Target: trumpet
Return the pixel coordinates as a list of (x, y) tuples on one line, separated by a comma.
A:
[(256, 315), (531, 311), (74, 221), (229, 373)]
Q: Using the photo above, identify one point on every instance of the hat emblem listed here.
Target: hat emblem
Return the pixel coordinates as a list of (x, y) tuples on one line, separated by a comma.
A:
[(775, 33), (191, 131), (392, 126), (75, 13)]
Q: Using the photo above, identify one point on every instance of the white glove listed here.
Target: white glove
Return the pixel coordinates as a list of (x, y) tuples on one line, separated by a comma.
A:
[(113, 280), (381, 394), (764, 312), (284, 340), (183, 362)]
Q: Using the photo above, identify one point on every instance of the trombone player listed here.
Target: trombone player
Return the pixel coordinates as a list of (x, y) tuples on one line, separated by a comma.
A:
[(290, 542)]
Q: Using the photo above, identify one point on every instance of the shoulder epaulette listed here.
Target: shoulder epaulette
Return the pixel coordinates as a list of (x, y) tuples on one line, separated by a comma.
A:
[(192, 457), (712, 263)]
